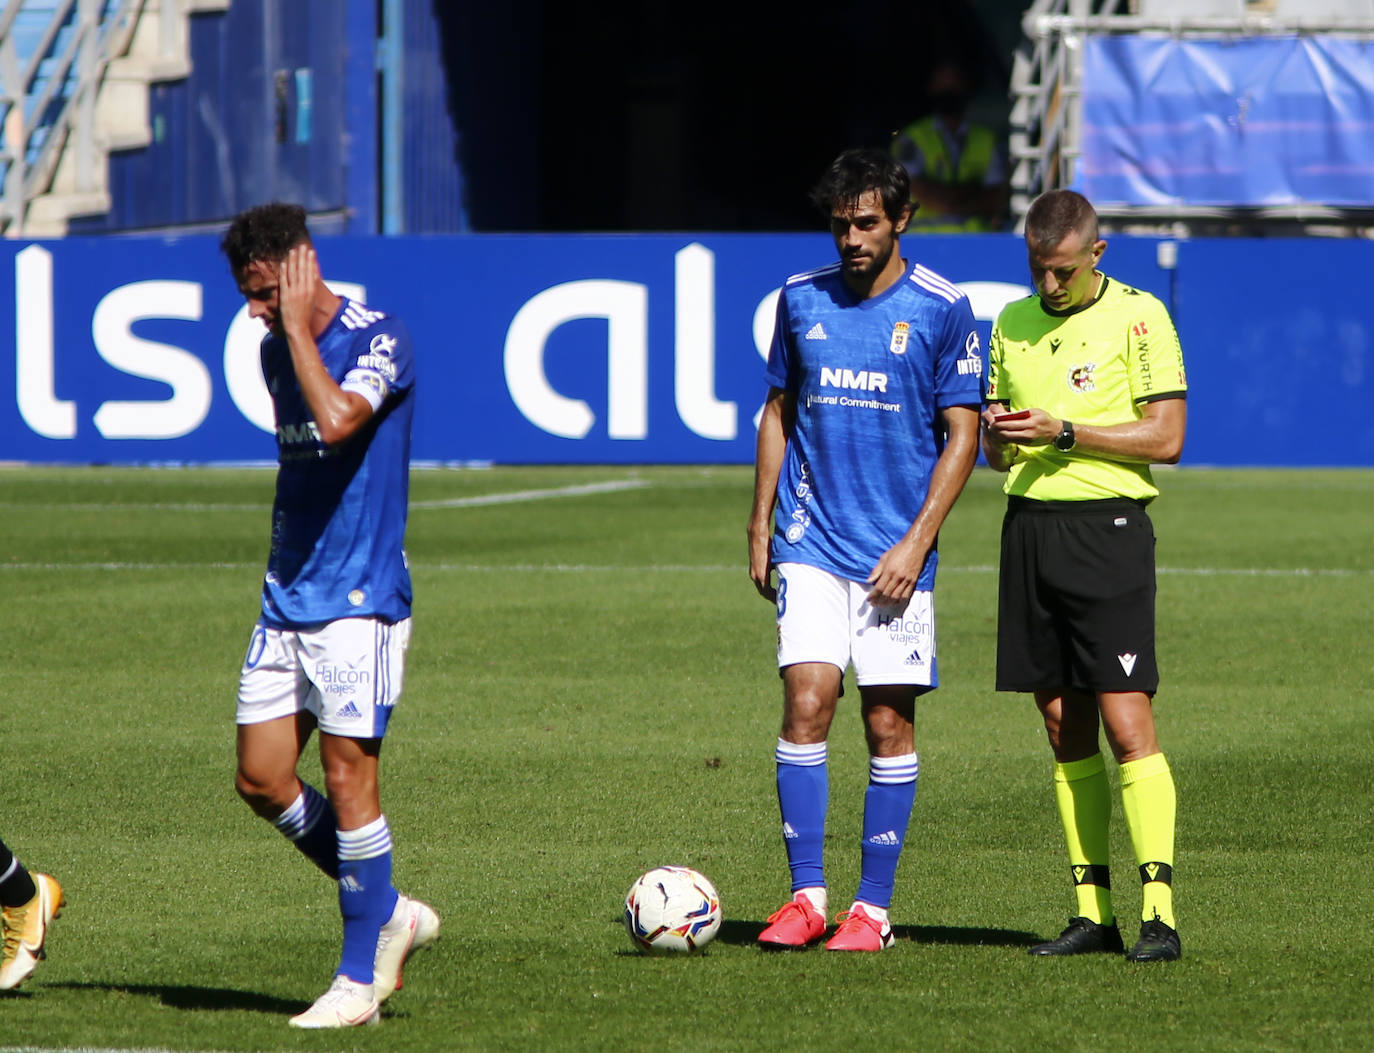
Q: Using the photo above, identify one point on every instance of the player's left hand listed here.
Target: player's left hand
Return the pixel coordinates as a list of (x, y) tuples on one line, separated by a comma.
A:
[(893, 578), (296, 280)]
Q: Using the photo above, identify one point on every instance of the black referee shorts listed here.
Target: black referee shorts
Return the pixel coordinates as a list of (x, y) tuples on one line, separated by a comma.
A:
[(1076, 597)]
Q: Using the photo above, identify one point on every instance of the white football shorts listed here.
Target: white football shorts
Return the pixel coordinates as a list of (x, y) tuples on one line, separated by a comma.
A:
[(825, 618), (347, 673)]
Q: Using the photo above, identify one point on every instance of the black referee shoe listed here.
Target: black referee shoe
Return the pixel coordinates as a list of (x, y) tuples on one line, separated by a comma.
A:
[(1157, 943), (1082, 937)]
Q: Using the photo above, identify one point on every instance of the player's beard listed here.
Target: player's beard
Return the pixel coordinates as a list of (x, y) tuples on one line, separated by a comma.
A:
[(868, 265)]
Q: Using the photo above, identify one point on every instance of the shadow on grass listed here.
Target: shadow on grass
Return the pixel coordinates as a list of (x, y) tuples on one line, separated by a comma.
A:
[(192, 997), (744, 933)]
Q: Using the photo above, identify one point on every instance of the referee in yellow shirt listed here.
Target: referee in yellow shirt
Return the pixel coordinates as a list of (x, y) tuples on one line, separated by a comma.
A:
[(1085, 391)]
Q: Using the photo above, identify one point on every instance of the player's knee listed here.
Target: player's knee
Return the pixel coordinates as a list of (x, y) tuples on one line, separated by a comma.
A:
[(889, 738), (1132, 744), (1053, 731), (350, 792), (1071, 742), (806, 719), (261, 794)]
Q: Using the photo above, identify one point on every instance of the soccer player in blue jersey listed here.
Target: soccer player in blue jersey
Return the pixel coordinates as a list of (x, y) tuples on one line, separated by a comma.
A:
[(328, 650), (868, 435)]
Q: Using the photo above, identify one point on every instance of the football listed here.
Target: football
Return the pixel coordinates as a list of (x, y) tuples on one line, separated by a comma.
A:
[(672, 910)]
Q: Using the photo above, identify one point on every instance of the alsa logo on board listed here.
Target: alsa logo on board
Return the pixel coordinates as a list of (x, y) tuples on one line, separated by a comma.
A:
[(624, 306), (112, 324), (173, 387)]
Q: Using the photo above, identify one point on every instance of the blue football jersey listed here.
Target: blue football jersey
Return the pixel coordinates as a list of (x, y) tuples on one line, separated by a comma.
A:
[(339, 518), (869, 377)]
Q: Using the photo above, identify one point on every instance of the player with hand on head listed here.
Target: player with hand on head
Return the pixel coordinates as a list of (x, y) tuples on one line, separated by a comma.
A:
[(329, 647), (28, 903), (1085, 391), (868, 435)]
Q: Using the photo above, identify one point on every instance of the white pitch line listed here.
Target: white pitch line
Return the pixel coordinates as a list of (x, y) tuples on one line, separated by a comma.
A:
[(116, 506), (119, 566), (669, 568), (581, 568), (86, 1049), (514, 497), (518, 496)]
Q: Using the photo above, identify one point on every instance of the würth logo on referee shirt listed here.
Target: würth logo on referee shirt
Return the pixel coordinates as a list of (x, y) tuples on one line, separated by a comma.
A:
[(1127, 662)]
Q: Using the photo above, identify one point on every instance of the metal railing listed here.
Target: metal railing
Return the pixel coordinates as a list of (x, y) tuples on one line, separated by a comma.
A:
[(1046, 78), (48, 94)]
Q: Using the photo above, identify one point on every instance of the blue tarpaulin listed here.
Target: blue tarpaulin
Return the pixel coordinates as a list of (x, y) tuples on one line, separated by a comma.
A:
[(1250, 122)]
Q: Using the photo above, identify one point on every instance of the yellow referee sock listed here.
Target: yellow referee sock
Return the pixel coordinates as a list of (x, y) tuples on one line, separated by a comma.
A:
[(1148, 799), (1085, 809)]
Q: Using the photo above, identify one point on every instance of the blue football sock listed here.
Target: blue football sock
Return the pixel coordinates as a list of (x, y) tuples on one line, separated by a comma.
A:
[(366, 898), (887, 810), (803, 795), (309, 824)]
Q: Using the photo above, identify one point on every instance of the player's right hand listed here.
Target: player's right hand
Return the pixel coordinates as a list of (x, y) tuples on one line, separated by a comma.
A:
[(296, 287)]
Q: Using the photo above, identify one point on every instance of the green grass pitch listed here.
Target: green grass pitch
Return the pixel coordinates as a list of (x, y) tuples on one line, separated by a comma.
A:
[(591, 692)]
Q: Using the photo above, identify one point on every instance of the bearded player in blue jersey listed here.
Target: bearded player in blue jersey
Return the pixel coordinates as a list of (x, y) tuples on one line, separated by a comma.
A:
[(328, 650), (867, 438)]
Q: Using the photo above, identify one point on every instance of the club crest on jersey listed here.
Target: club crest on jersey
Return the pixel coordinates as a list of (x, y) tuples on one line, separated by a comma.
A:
[(1081, 378), (900, 332)]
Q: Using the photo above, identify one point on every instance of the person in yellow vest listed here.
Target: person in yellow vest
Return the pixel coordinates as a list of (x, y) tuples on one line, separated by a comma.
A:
[(1085, 390), (957, 167)]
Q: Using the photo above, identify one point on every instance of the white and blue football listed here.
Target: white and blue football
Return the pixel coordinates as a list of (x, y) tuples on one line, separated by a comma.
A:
[(672, 910)]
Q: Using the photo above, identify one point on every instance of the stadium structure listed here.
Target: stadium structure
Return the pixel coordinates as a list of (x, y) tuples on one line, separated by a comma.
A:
[(585, 222), (1246, 117), (410, 116)]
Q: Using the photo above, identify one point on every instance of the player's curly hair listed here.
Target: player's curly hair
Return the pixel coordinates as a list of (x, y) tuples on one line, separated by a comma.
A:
[(266, 232), (857, 171), (1056, 214)]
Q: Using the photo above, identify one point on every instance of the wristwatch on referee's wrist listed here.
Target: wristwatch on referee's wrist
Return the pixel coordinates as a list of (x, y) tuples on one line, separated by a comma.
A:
[(1065, 441)]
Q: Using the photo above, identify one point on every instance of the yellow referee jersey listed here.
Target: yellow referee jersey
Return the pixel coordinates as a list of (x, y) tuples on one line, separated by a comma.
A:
[(1097, 365)]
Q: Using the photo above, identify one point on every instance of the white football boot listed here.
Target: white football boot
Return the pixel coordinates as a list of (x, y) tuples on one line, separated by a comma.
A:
[(412, 927), (345, 1004)]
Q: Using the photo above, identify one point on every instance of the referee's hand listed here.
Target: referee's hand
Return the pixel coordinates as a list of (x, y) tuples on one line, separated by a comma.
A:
[(1027, 427)]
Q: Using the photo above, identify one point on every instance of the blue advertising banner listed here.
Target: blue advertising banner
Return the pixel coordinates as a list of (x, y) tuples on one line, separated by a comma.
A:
[(1255, 121), (529, 349), (1280, 351), (610, 349)]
